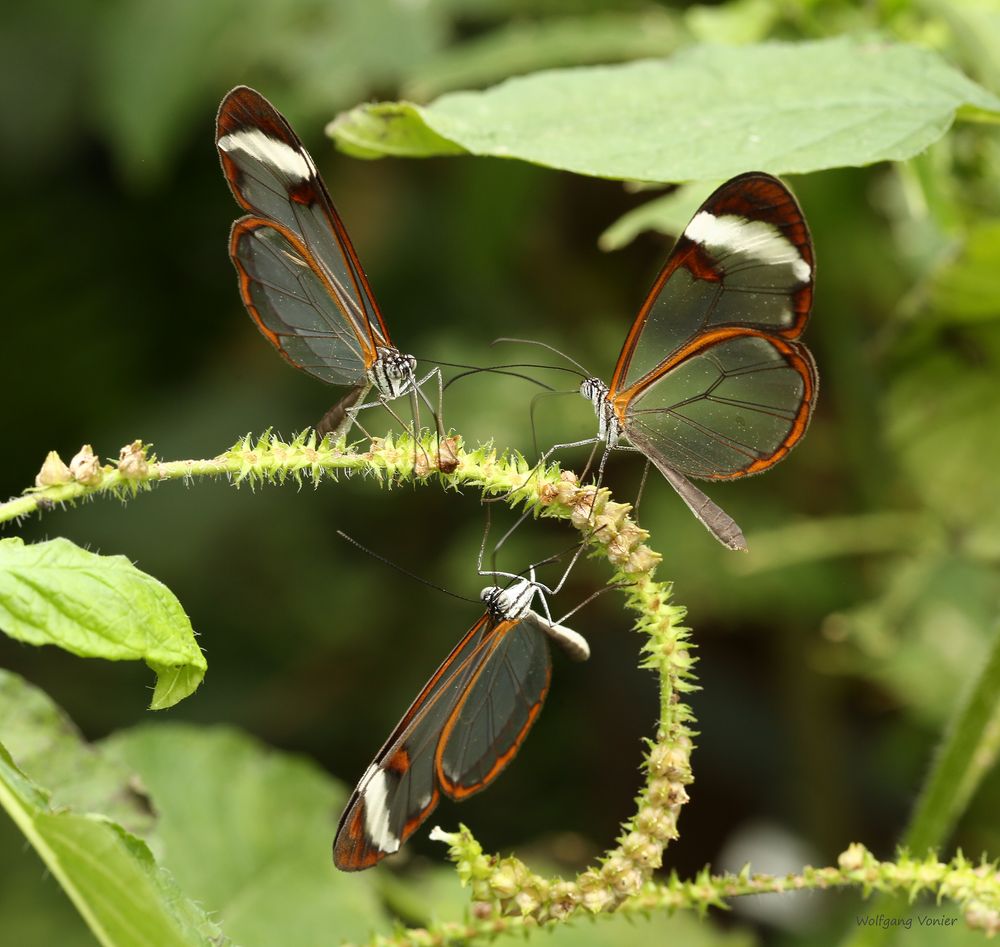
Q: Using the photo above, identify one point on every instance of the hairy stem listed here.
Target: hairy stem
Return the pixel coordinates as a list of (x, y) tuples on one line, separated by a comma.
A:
[(974, 889), (506, 895)]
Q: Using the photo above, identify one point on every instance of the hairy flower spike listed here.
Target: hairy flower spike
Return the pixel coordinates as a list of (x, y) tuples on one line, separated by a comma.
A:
[(506, 895)]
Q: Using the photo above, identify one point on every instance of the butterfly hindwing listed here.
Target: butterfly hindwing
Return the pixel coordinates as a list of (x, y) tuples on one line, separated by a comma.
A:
[(288, 297), (494, 715)]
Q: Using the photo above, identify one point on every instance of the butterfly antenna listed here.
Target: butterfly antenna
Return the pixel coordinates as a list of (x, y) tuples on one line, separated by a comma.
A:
[(402, 571), (495, 368), (534, 404), (499, 370), (589, 599), (545, 345)]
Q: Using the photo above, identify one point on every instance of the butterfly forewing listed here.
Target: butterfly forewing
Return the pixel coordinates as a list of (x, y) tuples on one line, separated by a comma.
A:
[(744, 260), (710, 381), (399, 790), (467, 704), (495, 713), (272, 175)]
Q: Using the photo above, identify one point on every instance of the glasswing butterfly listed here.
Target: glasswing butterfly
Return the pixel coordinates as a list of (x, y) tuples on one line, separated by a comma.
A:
[(711, 382), (299, 276), (463, 728)]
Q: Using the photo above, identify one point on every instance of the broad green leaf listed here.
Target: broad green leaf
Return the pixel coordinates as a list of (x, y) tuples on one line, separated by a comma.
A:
[(709, 112), (392, 128), (98, 607), (521, 47), (49, 749), (34, 908), (739, 21), (109, 874), (968, 751), (248, 832), (668, 214), (968, 288), (810, 540)]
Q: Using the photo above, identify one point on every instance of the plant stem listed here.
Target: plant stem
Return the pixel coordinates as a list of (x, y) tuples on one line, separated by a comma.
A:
[(968, 750), (507, 896), (974, 888)]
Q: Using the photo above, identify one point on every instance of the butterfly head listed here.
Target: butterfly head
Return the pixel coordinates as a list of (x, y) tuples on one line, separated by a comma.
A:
[(594, 390), (609, 428), (511, 603), (393, 373)]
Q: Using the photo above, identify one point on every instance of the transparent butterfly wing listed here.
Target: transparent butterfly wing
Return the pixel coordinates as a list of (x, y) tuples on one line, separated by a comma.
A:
[(735, 407), (710, 380), (272, 175), (500, 704), (399, 789), (286, 296)]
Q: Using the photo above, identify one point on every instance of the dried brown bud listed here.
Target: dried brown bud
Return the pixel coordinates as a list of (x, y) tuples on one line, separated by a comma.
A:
[(132, 461), (85, 467), (53, 472), (448, 455)]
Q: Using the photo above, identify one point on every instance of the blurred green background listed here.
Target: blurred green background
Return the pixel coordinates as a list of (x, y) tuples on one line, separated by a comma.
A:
[(830, 657)]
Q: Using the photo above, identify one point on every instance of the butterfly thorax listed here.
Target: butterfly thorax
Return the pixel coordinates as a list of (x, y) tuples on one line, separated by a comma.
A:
[(609, 428), (392, 373), (511, 603)]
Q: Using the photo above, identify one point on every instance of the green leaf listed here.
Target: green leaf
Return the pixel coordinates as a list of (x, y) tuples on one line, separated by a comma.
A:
[(709, 112), (98, 607), (248, 832), (389, 128), (50, 750), (108, 873), (668, 214), (968, 288), (968, 751), (739, 21)]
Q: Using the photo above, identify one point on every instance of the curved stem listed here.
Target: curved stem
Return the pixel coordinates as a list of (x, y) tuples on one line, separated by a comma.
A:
[(507, 896)]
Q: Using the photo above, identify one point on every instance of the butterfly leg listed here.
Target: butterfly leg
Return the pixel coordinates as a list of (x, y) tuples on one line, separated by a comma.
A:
[(544, 459), (447, 461), (355, 409), (638, 496), (482, 550), (600, 474), (537, 467), (339, 419), (416, 428)]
